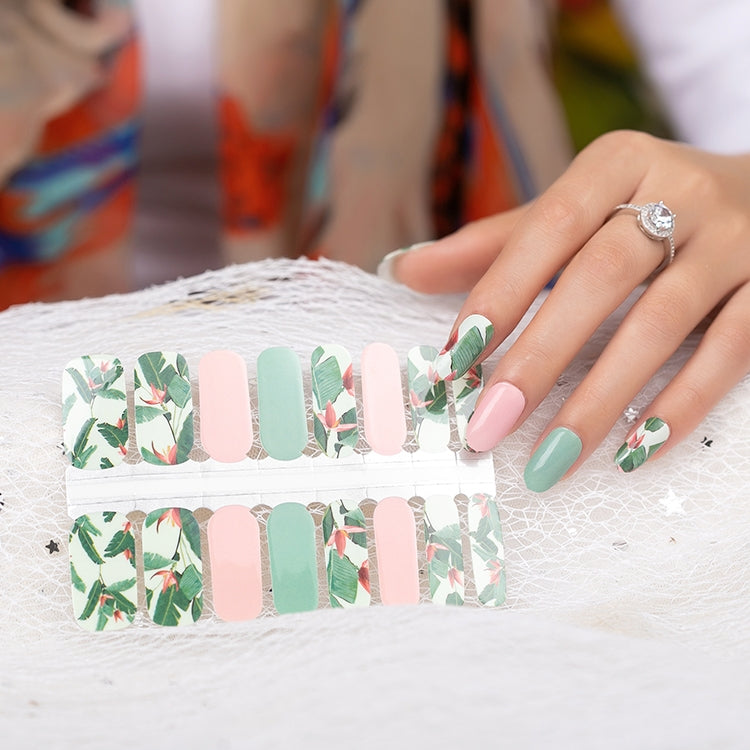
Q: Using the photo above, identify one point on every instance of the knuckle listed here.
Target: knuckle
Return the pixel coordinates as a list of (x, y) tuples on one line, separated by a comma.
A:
[(732, 340), (561, 213), (693, 399), (665, 316), (622, 144), (606, 263)]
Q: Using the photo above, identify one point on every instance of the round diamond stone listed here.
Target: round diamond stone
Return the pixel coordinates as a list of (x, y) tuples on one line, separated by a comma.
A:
[(657, 220)]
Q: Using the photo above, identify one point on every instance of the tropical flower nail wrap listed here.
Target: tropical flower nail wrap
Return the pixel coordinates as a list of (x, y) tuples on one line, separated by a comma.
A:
[(642, 444), (428, 400), (466, 390), (347, 564), (172, 566), (334, 404), (487, 554), (94, 412), (464, 347), (163, 408), (101, 548), (445, 562)]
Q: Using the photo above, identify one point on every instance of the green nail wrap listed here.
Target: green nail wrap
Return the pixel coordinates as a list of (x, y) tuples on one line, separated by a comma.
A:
[(642, 444), (281, 404), (291, 551), (552, 459)]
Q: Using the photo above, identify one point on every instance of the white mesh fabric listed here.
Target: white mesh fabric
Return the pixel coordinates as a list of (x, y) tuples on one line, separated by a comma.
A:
[(652, 567)]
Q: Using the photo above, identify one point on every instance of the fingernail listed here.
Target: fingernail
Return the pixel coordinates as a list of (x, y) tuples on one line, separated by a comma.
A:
[(642, 444), (495, 416), (556, 454), (464, 347), (385, 267)]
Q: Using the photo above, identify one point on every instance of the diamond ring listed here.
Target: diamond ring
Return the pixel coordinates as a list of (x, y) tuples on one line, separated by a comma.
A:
[(656, 221)]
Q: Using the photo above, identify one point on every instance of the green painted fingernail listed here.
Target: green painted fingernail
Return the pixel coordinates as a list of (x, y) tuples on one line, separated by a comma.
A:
[(281, 404), (557, 453)]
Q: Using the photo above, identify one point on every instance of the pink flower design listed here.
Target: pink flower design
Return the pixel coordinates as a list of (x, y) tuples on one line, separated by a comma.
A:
[(455, 577), (482, 501), (450, 343), (636, 440), (340, 535), (416, 402), (171, 516), (495, 568), (472, 376), (331, 422), (118, 616), (157, 396), (431, 549), (364, 576), (168, 579), (168, 457), (348, 380)]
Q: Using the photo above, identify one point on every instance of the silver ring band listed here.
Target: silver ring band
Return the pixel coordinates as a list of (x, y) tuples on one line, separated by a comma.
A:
[(657, 222)]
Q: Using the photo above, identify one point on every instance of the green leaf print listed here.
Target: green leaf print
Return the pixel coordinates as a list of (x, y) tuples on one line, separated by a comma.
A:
[(115, 436), (191, 531), (154, 561), (466, 350), (151, 365), (78, 583), (105, 463), (112, 394), (87, 544), (166, 611), (191, 582), (343, 578), (123, 603), (319, 432), (454, 599), (179, 391), (327, 524), (108, 515), (145, 414), (185, 439), (653, 424), (119, 586), (437, 395), (326, 381), (196, 608), (121, 541), (92, 600), (81, 385), (68, 404), (79, 447)]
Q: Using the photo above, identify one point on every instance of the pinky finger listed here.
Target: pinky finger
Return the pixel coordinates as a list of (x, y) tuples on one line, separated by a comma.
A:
[(721, 360)]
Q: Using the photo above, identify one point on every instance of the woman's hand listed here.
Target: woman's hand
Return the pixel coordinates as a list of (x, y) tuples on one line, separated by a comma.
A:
[(506, 260)]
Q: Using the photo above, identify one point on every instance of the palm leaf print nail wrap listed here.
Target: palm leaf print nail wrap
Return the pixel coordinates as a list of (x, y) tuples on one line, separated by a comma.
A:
[(487, 555), (642, 444), (334, 405), (172, 566), (466, 390), (464, 347), (347, 564), (95, 414), (428, 400), (445, 562), (101, 547), (163, 408)]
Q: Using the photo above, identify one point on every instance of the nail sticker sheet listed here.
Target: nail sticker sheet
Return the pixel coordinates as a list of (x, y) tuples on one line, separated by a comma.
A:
[(347, 565), (173, 569), (95, 413), (334, 404), (464, 347), (487, 554), (163, 408), (428, 400), (445, 562), (466, 390), (101, 547)]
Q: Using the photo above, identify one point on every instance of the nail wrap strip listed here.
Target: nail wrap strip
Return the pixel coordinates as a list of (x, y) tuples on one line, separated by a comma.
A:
[(101, 547), (487, 554), (95, 413), (347, 564), (173, 570), (464, 347), (226, 423), (163, 408), (445, 562), (291, 550), (281, 404), (642, 444), (382, 400), (396, 547), (428, 400), (234, 548), (334, 404), (466, 390)]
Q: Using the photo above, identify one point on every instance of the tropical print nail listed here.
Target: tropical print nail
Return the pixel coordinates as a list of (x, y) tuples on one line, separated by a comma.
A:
[(445, 562), (163, 408), (334, 405), (464, 347), (487, 554), (94, 412), (347, 564), (428, 400), (173, 570), (466, 390), (101, 547), (642, 444)]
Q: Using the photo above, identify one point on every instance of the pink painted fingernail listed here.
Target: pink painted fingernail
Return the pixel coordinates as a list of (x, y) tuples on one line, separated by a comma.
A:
[(495, 416)]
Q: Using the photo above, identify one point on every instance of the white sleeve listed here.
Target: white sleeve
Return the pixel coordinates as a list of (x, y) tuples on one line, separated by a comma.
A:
[(697, 54)]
